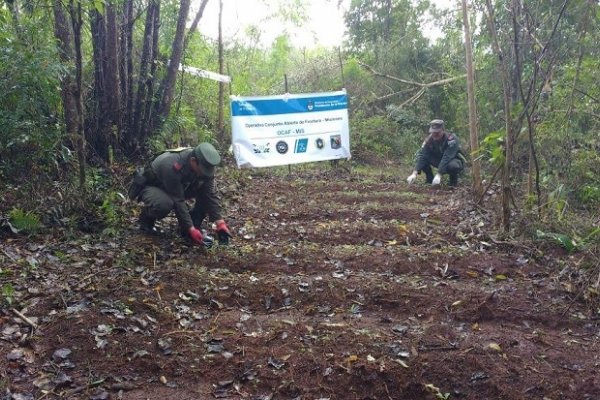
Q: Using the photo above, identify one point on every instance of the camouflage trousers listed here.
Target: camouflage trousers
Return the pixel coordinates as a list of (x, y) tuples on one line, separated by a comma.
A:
[(158, 204), (454, 168)]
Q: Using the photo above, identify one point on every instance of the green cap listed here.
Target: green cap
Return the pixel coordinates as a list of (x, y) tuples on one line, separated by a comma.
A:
[(437, 125), (208, 157)]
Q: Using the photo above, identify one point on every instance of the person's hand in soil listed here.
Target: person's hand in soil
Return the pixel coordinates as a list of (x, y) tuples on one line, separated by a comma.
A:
[(195, 235), (223, 233)]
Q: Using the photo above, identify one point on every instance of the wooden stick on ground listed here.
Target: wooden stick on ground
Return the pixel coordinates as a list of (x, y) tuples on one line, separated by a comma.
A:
[(24, 318)]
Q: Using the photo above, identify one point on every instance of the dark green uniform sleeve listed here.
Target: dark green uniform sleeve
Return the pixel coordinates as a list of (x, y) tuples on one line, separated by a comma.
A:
[(423, 156), (208, 196), (450, 153)]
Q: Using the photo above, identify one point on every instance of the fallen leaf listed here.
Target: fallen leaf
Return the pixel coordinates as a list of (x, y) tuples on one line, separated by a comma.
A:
[(456, 303), (352, 358), (333, 324), (495, 347)]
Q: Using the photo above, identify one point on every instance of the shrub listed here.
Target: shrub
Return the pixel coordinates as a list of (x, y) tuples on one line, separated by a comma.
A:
[(22, 221), (381, 137)]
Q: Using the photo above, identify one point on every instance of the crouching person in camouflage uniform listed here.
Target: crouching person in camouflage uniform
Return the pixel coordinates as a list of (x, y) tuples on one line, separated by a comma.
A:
[(173, 177), (441, 149)]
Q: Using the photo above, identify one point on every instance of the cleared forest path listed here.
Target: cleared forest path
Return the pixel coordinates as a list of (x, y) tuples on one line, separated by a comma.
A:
[(337, 285)]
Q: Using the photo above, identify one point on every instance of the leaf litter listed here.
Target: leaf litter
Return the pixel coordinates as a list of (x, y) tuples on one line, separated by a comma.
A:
[(361, 296)]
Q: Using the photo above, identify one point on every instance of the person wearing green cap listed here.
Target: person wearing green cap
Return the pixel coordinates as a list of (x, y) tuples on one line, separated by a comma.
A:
[(441, 149), (171, 178)]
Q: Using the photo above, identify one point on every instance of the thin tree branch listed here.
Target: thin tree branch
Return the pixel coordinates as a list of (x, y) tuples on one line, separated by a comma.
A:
[(194, 25), (389, 96), (489, 185), (414, 98), (421, 85)]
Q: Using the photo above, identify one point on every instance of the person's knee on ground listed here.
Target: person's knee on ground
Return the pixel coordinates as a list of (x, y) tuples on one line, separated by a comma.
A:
[(454, 169), (157, 205)]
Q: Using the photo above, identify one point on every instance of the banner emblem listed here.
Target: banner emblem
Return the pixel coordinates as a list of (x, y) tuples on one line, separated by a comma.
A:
[(282, 147)]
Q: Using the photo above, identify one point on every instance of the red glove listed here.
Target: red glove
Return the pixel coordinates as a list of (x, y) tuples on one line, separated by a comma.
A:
[(223, 232), (196, 235)]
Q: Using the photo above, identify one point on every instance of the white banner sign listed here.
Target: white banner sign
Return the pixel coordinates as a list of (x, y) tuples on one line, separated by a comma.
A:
[(289, 129)]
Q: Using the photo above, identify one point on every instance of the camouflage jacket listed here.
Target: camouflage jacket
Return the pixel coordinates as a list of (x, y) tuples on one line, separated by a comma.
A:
[(172, 172), (439, 153)]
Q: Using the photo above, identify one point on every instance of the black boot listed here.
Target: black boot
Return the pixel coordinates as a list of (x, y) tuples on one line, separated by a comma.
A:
[(146, 223), (453, 180)]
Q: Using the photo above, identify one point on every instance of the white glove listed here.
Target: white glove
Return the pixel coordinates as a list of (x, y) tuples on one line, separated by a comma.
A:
[(411, 178), (436, 179)]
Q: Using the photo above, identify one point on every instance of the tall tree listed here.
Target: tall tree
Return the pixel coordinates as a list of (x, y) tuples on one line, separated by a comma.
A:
[(147, 127), (64, 36), (126, 68), (14, 13), (167, 86), (508, 125), (107, 96), (220, 127), (196, 20), (474, 137), (75, 10), (99, 135), (112, 72), (68, 35), (145, 80)]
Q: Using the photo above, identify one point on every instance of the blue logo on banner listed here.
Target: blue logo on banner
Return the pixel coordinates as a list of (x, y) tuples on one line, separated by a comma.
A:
[(301, 146)]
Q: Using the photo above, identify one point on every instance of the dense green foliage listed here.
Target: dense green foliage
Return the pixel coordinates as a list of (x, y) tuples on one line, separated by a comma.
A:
[(30, 105)]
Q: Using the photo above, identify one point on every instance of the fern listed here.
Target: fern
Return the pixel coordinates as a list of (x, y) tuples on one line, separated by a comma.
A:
[(22, 221)]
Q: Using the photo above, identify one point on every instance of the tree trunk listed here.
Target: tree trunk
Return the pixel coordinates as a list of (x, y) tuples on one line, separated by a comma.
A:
[(387, 26), (112, 77), (168, 84), (531, 170), (506, 86), (14, 13), (64, 37), (220, 127), (126, 70), (476, 169), (76, 20), (136, 136), (194, 25), (98, 138), (583, 28), (147, 128), (107, 97)]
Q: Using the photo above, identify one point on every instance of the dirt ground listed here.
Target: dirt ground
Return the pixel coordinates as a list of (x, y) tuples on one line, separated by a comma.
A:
[(337, 285)]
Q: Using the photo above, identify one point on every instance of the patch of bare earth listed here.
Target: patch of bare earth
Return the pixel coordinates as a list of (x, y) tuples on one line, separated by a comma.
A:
[(336, 286)]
